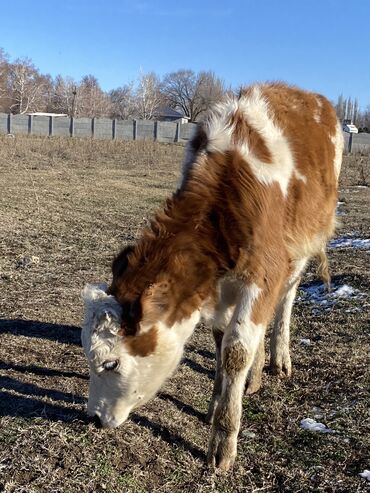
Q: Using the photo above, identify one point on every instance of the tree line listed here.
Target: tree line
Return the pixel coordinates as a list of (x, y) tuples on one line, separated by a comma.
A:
[(348, 109), (24, 89)]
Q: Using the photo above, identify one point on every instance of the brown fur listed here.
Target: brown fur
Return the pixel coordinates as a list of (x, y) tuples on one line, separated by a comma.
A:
[(235, 358), (224, 220), (142, 344)]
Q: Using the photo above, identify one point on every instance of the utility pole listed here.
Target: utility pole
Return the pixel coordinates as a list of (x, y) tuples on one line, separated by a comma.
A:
[(74, 92)]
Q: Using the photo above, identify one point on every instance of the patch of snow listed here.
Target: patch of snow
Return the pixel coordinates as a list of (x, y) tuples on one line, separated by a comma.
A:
[(362, 186), (248, 434), (365, 474), (362, 244), (344, 291), (305, 342), (318, 295), (313, 425)]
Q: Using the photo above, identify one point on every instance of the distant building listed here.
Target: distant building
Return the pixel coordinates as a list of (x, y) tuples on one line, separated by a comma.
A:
[(167, 114)]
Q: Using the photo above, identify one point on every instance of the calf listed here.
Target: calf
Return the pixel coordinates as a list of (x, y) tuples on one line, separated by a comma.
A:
[(256, 201)]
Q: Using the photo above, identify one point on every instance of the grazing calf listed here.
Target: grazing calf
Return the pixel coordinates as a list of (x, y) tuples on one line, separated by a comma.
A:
[(256, 201)]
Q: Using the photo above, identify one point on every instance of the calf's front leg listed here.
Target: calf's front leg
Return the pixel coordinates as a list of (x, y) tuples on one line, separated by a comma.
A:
[(240, 343)]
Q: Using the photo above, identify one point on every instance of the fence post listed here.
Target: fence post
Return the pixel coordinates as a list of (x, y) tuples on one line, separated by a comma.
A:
[(51, 126), (114, 128), (177, 135), (30, 122), (72, 127), (10, 123), (135, 129), (93, 127), (350, 143), (155, 130)]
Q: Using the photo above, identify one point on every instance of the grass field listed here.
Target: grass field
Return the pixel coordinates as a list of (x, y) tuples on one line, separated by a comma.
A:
[(67, 206)]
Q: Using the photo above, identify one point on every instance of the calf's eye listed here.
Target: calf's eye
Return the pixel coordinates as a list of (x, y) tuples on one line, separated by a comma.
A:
[(110, 365)]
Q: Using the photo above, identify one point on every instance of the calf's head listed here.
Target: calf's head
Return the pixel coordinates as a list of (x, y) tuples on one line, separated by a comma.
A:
[(128, 361)]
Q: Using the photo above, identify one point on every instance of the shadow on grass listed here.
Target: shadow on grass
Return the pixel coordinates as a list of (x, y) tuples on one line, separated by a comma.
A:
[(30, 389), (66, 334), (168, 436), (38, 370), (198, 368), (202, 352), (26, 407), (185, 408)]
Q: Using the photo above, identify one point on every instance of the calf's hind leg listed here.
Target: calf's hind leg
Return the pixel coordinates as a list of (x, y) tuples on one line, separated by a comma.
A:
[(217, 386), (280, 362), (254, 378)]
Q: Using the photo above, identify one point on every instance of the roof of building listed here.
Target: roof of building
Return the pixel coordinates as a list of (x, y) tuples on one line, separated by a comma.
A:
[(168, 112), (42, 113)]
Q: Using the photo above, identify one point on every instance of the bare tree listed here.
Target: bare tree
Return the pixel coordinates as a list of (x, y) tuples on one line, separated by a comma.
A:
[(64, 96), (148, 96), (93, 101), (192, 93), (364, 120), (4, 90), (341, 107), (355, 112), (27, 87), (122, 102)]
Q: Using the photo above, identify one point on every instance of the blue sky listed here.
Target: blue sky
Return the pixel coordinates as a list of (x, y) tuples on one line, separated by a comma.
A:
[(321, 45)]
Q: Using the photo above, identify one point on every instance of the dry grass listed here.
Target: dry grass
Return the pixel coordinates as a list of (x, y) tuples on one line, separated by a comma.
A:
[(67, 206)]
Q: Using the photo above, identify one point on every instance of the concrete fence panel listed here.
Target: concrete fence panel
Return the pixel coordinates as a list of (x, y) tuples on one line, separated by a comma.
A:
[(40, 125), (21, 124), (124, 129), (61, 126), (3, 123), (145, 130), (82, 127), (103, 128), (186, 131), (360, 142), (166, 131)]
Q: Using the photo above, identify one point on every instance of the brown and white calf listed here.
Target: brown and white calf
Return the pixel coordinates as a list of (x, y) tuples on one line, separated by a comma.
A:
[(257, 200)]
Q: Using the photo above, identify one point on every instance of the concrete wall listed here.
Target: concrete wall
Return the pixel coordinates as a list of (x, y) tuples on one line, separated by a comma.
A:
[(103, 128), (97, 128), (360, 142)]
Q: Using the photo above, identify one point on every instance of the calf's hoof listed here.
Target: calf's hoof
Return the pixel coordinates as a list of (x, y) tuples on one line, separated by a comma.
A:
[(253, 385), (281, 368), (222, 450)]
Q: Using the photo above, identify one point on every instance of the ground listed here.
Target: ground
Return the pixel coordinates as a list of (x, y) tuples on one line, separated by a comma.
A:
[(66, 207)]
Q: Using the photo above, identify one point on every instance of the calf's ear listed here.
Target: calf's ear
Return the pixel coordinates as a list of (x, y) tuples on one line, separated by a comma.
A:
[(120, 263), (92, 292)]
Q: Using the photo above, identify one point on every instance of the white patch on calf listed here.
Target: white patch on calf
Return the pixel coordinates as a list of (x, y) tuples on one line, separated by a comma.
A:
[(338, 141), (258, 115), (241, 328)]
